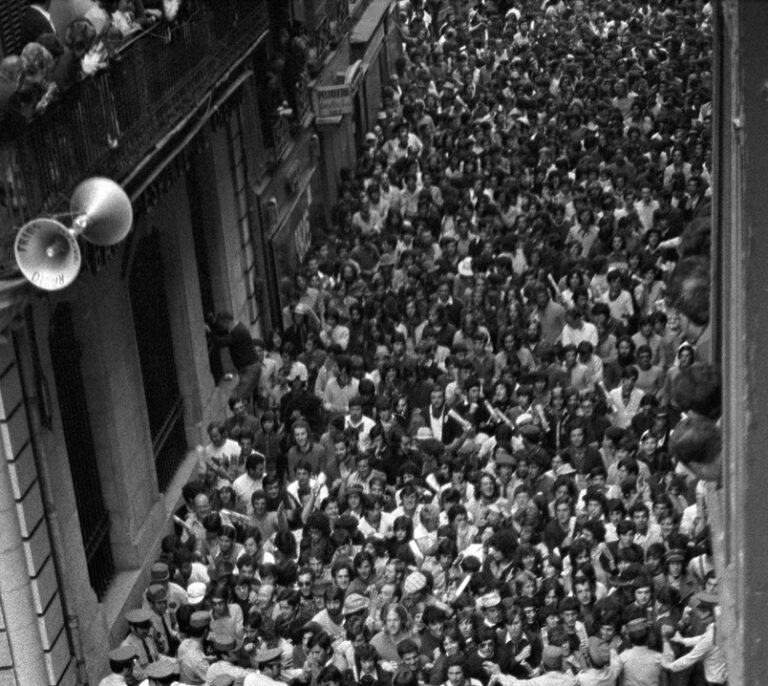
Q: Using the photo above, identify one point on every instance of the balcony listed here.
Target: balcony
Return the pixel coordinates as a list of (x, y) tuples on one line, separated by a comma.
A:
[(281, 137), (342, 16), (319, 46), (109, 122), (303, 101)]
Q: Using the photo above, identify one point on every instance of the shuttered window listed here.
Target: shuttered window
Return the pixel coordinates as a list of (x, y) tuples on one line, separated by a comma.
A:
[(11, 12)]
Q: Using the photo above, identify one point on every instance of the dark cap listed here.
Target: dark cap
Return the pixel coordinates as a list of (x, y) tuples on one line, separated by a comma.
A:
[(138, 616), (162, 669), (157, 593), (599, 652), (270, 655), (224, 644), (223, 680), (707, 598), (123, 654), (200, 620), (159, 572)]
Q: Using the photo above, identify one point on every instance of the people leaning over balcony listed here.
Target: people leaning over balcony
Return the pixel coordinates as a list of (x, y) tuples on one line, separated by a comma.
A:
[(55, 57)]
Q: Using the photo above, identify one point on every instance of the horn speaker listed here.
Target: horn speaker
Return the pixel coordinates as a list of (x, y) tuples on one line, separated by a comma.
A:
[(47, 251)]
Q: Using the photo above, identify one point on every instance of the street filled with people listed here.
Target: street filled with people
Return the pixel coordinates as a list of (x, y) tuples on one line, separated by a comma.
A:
[(472, 451)]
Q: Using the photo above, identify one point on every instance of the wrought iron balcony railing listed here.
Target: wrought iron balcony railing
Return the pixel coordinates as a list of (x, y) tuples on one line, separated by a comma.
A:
[(303, 100), (281, 133), (319, 45), (108, 123), (342, 15)]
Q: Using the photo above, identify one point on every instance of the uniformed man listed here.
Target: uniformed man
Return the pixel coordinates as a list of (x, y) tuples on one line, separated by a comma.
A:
[(161, 673), (270, 664), (159, 573), (224, 649), (121, 663), (162, 623), (141, 640)]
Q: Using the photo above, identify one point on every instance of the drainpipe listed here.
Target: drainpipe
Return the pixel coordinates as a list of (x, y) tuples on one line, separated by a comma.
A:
[(27, 373)]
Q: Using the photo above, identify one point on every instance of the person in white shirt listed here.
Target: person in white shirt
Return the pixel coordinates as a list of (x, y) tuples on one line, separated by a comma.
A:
[(577, 330), (645, 207), (619, 300), (269, 367), (625, 399), (270, 666), (704, 647), (333, 331), (224, 648), (359, 423), (376, 522), (220, 453), (250, 482), (304, 481)]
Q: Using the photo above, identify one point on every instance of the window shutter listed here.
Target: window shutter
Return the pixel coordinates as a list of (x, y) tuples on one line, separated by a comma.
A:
[(11, 12)]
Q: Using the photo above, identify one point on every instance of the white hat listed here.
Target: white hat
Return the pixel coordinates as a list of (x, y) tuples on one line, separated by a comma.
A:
[(424, 434), (523, 419), (465, 267), (196, 593), (491, 599), (298, 371)]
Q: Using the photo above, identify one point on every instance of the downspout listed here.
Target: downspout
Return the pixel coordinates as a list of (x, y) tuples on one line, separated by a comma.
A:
[(28, 371)]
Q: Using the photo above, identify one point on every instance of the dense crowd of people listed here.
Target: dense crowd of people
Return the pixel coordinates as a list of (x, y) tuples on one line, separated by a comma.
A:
[(460, 460), (54, 58)]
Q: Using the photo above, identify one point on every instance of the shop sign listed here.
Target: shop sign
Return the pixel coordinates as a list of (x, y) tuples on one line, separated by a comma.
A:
[(336, 100)]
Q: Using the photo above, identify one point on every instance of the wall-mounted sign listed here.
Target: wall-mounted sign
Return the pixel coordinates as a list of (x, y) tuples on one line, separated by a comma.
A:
[(336, 100)]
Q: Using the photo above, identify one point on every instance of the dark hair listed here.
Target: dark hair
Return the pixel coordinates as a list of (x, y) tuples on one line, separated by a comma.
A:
[(323, 640), (406, 645), (689, 289), (405, 677)]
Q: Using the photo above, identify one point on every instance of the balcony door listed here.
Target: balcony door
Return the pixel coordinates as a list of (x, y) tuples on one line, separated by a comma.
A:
[(156, 356)]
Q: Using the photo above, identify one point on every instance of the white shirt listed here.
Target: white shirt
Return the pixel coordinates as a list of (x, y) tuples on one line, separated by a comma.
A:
[(225, 667), (293, 489), (259, 679), (623, 414), (222, 455), (436, 424), (383, 529), (704, 650), (268, 376), (574, 336), (363, 428), (112, 679), (244, 487)]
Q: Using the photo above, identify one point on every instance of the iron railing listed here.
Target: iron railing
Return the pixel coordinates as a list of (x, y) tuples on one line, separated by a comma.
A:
[(170, 446), (303, 101), (342, 16), (108, 123), (281, 137), (319, 45)]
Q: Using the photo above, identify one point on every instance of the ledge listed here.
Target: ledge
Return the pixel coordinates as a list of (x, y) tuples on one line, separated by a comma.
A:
[(369, 20), (126, 587)]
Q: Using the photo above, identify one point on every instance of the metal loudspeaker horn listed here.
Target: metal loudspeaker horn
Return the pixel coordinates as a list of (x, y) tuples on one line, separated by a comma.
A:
[(47, 251)]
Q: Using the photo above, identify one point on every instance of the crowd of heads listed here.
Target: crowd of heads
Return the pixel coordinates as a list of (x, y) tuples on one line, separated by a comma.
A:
[(460, 461)]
